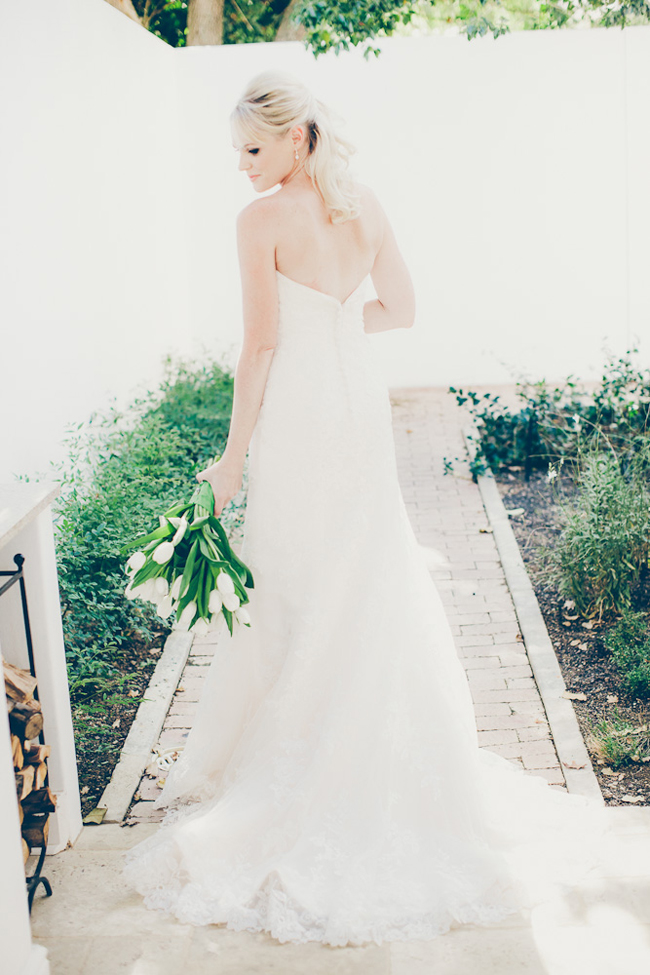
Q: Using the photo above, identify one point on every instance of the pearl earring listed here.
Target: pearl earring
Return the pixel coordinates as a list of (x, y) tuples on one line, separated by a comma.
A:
[(296, 154)]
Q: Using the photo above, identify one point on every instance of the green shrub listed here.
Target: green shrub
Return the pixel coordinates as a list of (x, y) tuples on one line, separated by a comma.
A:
[(603, 546), (196, 402), (123, 469), (629, 644), (91, 669), (555, 422)]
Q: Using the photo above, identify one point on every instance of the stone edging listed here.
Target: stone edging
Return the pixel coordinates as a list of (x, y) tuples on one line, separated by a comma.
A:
[(143, 734), (569, 743)]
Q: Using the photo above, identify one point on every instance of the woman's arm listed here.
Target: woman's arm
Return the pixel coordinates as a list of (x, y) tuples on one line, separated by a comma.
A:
[(394, 306), (256, 248)]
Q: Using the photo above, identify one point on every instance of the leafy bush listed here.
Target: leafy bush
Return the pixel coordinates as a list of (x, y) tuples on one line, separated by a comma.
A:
[(558, 422), (508, 438), (603, 546), (123, 470), (90, 669), (629, 643), (196, 402)]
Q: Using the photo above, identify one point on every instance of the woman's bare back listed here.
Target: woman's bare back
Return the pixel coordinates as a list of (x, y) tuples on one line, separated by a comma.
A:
[(332, 258)]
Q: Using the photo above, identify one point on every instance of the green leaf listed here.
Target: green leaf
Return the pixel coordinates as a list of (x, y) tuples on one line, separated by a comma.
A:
[(177, 510), (230, 553), (239, 587), (218, 527), (189, 566), (150, 570), (248, 575), (206, 496), (206, 549), (159, 534)]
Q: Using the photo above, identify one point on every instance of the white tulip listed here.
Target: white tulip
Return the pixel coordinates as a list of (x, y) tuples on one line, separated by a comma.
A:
[(176, 587), (136, 561), (215, 621), (215, 602), (231, 601), (224, 583), (149, 591), (187, 616), (165, 607), (242, 616), (200, 628), (162, 586), (163, 553), (143, 591), (180, 531)]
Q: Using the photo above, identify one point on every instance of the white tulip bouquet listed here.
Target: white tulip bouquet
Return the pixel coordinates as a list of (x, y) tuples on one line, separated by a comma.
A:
[(186, 566)]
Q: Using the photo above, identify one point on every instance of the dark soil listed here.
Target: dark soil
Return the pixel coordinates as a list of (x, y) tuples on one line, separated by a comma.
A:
[(585, 662), (102, 719)]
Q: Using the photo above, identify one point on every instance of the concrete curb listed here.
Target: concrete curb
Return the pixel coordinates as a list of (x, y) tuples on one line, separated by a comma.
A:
[(144, 732), (569, 743)]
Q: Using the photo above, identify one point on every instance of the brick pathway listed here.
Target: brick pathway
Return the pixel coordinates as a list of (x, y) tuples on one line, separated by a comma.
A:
[(449, 521)]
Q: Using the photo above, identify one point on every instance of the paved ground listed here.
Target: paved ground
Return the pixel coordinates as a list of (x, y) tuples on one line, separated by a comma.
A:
[(92, 925), (449, 521)]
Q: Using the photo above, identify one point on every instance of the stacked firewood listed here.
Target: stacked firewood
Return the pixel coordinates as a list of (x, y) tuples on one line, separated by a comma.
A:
[(35, 799)]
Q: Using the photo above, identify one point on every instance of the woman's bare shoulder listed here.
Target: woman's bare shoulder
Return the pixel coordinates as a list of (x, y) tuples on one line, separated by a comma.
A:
[(257, 212), (372, 214), (369, 200)]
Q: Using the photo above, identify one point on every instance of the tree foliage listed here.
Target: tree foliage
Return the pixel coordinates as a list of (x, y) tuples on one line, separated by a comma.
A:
[(338, 25), (341, 24), (244, 21)]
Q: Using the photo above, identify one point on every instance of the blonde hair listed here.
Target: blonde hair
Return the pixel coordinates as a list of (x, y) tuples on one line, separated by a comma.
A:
[(275, 101)]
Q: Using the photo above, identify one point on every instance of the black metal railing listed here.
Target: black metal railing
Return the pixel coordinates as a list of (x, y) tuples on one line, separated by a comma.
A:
[(17, 576)]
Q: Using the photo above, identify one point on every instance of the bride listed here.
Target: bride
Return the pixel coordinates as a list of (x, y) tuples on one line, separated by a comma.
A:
[(332, 788)]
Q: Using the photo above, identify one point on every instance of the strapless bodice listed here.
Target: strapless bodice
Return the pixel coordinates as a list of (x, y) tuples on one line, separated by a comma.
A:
[(300, 302)]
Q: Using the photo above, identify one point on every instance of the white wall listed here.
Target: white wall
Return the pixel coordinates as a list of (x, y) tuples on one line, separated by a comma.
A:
[(515, 187), (513, 171), (92, 249)]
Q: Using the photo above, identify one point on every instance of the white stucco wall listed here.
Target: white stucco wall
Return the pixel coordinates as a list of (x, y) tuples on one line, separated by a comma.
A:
[(92, 269), (513, 171)]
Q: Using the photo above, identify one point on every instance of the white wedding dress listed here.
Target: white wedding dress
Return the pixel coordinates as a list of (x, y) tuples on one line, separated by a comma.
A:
[(332, 788)]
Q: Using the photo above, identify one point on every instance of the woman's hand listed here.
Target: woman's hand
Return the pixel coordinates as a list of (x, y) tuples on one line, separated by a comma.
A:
[(225, 479)]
